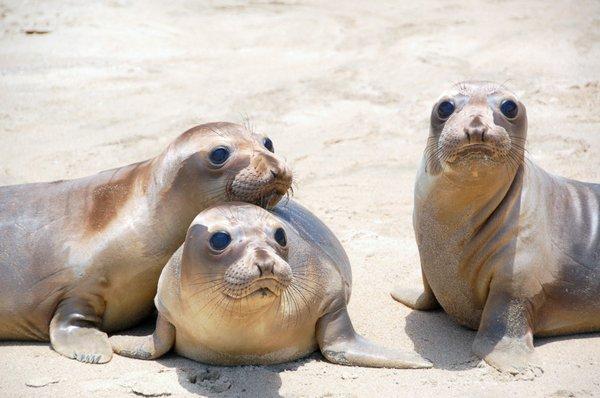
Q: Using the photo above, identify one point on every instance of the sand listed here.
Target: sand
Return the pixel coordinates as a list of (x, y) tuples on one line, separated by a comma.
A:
[(345, 90)]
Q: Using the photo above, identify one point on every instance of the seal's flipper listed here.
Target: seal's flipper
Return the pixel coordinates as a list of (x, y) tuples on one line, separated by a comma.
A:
[(340, 344), (146, 347), (505, 336), (74, 331), (422, 300)]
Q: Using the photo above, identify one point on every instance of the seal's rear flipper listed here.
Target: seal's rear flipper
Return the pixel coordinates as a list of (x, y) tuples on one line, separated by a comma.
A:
[(340, 344), (146, 347), (422, 300), (74, 331)]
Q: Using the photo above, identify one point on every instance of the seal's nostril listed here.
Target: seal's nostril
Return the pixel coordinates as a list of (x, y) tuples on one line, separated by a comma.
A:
[(265, 268), (475, 134)]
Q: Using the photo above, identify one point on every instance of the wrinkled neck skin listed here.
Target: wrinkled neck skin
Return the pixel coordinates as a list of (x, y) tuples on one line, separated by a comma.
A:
[(464, 196), (176, 193)]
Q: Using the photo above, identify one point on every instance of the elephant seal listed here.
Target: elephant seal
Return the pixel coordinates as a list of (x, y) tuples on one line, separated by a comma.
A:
[(82, 257), (250, 286), (506, 248)]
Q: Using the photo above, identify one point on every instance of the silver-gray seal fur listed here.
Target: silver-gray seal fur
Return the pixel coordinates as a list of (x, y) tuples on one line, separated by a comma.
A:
[(506, 248)]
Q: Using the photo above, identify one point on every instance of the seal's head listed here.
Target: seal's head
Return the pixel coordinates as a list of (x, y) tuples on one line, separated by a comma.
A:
[(227, 162), (235, 258), (476, 127)]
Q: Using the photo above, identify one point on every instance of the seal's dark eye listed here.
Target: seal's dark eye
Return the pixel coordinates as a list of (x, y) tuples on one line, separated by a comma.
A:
[(269, 144), (280, 237), (445, 109), (219, 155), (220, 240), (509, 109)]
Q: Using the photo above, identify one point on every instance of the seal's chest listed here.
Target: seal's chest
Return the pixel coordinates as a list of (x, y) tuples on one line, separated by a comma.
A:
[(453, 288), (231, 342)]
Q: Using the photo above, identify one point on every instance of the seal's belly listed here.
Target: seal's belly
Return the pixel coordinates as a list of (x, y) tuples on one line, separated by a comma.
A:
[(571, 300), (555, 319), (31, 287)]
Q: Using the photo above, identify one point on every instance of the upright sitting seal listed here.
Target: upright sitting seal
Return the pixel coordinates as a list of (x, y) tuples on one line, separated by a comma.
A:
[(253, 287), (505, 247), (81, 256)]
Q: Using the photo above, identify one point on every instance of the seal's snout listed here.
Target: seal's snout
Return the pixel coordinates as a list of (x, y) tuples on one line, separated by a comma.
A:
[(476, 130), (472, 136), (261, 270), (263, 182), (282, 178), (272, 267)]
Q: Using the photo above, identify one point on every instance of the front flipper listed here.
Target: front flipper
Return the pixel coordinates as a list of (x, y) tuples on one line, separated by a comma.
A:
[(146, 347), (340, 344), (505, 336), (74, 331), (422, 300)]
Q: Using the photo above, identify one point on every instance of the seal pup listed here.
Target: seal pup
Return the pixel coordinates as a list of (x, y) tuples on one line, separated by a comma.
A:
[(82, 257), (250, 286), (506, 248)]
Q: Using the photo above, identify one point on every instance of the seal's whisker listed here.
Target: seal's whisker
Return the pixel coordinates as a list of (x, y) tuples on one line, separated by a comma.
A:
[(309, 290), (297, 308), (209, 289), (200, 277), (207, 282), (287, 198), (293, 307), (301, 295), (306, 279)]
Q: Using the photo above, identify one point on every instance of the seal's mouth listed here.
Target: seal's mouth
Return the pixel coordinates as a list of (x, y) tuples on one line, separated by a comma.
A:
[(269, 201), (263, 192), (474, 152), (259, 288), (279, 190)]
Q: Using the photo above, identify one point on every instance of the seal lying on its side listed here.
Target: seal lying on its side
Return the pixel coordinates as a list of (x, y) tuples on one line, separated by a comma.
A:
[(505, 247), (81, 256), (253, 287)]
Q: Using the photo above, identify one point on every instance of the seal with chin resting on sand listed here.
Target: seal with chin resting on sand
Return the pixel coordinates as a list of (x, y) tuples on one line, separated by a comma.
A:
[(250, 286), (82, 257), (506, 248)]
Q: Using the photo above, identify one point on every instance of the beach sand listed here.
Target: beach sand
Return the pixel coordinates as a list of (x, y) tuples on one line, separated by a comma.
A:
[(345, 90)]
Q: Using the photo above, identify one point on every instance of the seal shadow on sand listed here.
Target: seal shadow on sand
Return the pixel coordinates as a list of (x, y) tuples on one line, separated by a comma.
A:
[(448, 345), (219, 381), (13, 343), (441, 340)]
